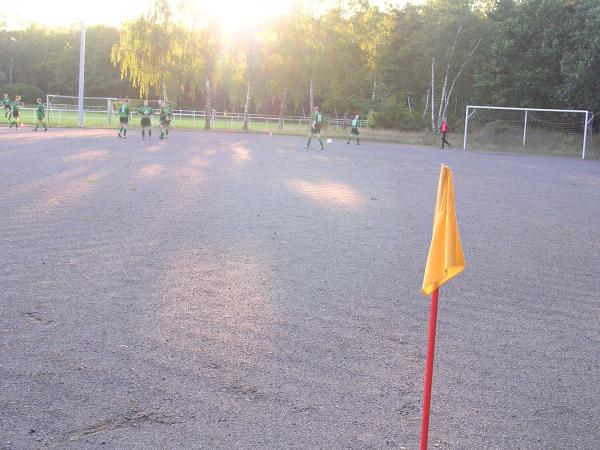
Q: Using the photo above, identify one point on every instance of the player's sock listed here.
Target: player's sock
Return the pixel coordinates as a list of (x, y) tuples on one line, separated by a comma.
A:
[(143, 134), (167, 132), (150, 133), (308, 143), (125, 132), (321, 142)]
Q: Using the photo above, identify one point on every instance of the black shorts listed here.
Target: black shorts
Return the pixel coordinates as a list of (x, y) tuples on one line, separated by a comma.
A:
[(355, 131), (7, 107), (146, 122), (165, 121), (124, 120), (316, 129), (15, 114)]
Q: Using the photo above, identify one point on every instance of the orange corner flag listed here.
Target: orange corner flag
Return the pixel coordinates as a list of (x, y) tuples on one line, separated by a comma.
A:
[(446, 259)]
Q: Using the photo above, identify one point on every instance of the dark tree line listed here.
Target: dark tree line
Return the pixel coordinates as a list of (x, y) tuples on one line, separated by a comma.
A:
[(404, 67)]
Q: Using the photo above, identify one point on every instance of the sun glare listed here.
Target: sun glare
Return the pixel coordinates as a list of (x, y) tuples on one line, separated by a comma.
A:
[(235, 14)]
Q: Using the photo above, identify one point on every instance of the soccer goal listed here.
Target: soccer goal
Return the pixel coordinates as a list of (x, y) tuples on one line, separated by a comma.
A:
[(556, 131)]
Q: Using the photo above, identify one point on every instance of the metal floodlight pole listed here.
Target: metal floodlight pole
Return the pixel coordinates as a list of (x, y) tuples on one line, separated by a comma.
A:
[(12, 47), (81, 76)]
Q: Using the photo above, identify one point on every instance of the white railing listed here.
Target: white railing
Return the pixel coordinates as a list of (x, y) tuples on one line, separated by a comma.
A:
[(93, 115)]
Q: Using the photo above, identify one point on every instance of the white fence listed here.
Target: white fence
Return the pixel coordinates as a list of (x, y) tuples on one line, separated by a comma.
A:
[(63, 114)]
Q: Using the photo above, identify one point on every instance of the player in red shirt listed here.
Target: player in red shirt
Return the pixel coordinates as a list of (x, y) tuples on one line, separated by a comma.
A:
[(444, 130)]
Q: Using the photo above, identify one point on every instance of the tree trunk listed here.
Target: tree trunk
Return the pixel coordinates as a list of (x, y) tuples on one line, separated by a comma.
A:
[(247, 108), (374, 89), (207, 105), (443, 96), (311, 94), (472, 51), (433, 128), (426, 104), (282, 109)]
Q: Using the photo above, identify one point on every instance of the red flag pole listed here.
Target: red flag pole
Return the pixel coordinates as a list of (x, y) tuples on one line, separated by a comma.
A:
[(429, 369)]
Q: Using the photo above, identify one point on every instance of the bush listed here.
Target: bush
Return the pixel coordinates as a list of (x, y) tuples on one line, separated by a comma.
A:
[(28, 92), (397, 118)]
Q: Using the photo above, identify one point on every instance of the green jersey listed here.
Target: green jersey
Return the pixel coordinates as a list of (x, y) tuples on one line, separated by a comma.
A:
[(40, 113), (6, 101), (317, 118), (354, 123), (124, 110), (146, 111), (165, 113)]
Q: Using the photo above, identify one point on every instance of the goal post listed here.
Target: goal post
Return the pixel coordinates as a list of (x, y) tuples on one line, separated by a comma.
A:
[(557, 131)]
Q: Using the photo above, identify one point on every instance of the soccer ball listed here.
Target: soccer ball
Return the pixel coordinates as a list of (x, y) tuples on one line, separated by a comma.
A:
[(329, 141)]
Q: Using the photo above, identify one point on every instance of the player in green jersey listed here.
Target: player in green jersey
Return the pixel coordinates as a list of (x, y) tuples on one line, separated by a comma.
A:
[(354, 132), (146, 112), (7, 107), (124, 117), (15, 112), (316, 120), (165, 119), (40, 114)]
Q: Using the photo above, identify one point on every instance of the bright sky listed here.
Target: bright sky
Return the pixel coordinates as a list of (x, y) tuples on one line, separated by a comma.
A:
[(64, 13)]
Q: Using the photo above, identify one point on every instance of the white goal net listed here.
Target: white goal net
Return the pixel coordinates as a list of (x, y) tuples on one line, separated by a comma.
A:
[(551, 131)]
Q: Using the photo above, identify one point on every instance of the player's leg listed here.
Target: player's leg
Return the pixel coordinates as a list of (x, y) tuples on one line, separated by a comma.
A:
[(15, 120), (320, 140), (310, 135), (444, 140)]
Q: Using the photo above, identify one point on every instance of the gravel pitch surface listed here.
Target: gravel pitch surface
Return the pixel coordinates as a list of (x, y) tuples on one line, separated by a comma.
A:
[(239, 291)]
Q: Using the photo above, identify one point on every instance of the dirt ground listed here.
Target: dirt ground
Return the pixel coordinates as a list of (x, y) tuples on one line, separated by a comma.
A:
[(238, 291)]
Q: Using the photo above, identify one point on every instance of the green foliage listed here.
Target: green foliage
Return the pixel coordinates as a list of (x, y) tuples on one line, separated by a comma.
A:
[(580, 63), (357, 57), (28, 92), (398, 117)]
